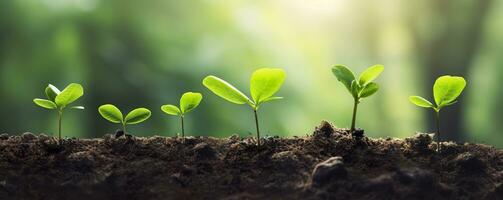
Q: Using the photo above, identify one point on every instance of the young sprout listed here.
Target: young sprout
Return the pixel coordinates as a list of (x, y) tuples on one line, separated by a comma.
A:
[(264, 84), (359, 88), (114, 115), (188, 102), (445, 91), (59, 100)]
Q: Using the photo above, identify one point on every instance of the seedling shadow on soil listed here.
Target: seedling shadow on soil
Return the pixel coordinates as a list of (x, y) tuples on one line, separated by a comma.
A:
[(326, 165)]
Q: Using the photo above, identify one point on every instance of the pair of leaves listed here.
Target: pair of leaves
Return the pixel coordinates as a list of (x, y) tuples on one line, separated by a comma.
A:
[(264, 83), (363, 87), (114, 115), (445, 91), (57, 99), (188, 102)]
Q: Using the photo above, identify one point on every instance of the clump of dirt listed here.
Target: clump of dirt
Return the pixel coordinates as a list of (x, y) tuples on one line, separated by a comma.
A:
[(329, 164)]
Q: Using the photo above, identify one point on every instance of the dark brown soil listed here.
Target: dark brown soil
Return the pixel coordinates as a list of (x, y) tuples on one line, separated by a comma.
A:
[(329, 164)]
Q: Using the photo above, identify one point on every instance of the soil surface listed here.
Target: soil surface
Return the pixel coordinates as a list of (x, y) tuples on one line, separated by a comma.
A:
[(328, 164)]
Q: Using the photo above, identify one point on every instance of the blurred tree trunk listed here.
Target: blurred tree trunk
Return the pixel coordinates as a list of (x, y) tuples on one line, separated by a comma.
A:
[(446, 38)]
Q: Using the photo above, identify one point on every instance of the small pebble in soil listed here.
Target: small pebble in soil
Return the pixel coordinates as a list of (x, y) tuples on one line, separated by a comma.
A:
[(325, 129), (28, 137), (203, 151), (43, 137), (119, 133), (333, 168), (4, 136)]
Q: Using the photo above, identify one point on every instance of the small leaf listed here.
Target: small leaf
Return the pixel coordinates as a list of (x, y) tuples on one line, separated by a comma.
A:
[(272, 99), (421, 102), (369, 90), (355, 89), (71, 93), (225, 90), (265, 83), (44, 103), (370, 74), (190, 101), (111, 113), (51, 92), (447, 89), (171, 110), (77, 107), (137, 115), (344, 75)]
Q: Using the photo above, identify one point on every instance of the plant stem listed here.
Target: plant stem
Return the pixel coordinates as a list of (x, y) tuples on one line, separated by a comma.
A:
[(438, 129), (124, 127), (183, 129), (60, 116), (355, 109), (256, 124)]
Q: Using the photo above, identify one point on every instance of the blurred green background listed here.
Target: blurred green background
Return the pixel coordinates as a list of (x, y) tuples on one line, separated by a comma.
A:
[(147, 53)]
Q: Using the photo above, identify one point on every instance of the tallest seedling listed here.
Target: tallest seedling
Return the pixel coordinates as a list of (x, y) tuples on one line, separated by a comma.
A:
[(264, 84), (359, 88)]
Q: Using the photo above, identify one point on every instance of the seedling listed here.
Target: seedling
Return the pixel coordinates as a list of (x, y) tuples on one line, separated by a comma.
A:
[(59, 100), (188, 102), (264, 84), (445, 91), (114, 115), (359, 89)]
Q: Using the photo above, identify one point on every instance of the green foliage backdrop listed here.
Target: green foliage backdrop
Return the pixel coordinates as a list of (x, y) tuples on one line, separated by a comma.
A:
[(147, 53)]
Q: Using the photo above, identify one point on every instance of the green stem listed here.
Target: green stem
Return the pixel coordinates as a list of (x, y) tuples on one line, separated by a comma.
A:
[(355, 109), (438, 129), (124, 127), (60, 116), (256, 124), (183, 129)]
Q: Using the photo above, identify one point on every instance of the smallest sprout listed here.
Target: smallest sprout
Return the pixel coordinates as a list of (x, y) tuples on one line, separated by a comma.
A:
[(446, 90), (114, 115), (188, 102)]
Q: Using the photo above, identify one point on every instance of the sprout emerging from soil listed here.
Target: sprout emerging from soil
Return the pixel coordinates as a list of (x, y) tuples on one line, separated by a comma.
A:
[(445, 91), (188, 102), (264, 84), (59, 100), (358, 88), (114, 115)]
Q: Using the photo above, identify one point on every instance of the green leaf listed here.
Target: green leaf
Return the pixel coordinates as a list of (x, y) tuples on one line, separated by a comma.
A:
[(370, 74), (77, 107), (272, 99), (265, 83), (44, 103), (225, 90), (71, 93), (369, 90), (51, 92), (421, 102), (111, 113), (171, 110), (190, 101), (344, 75), (355, 89), (137, 115), (447, 89)]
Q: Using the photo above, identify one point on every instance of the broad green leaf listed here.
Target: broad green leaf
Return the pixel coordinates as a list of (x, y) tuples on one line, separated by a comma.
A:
[(369, 90), (355, 89), (265, 83), (344, 75), (225, 90), (447, 89), (171, 110), (190, 101), (137, 115), (272, 99), (44, 103), (52, 92), (71, 93), (421, 102), (77, 107), (111, 113), (370, 74)]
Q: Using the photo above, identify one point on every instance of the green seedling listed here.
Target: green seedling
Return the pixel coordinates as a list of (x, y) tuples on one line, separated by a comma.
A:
[(188, 102), (445, 92), (264, 84), (59, 100), (360, 88), (114, 115)]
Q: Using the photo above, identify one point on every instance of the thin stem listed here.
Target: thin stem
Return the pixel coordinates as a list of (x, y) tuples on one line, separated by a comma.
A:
[(256, 124), (60, 116), (355, 109), (438, 129), (124, 127), (183, 129)]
